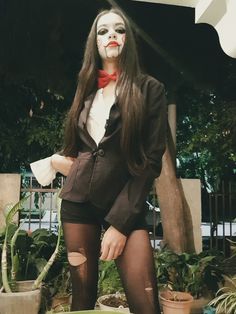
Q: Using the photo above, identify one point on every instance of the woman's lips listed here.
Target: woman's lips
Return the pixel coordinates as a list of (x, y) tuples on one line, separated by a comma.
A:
[(112, 44)]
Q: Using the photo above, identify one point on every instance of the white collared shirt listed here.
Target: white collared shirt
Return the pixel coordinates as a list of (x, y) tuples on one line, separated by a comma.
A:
[(98, 116), (96, 121)]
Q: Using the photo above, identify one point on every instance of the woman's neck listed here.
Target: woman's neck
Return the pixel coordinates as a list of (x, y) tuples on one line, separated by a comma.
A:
[(110, 66)]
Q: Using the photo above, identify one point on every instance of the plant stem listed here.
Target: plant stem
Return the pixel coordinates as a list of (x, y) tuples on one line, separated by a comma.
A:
[(46, 268), (4, 264), (12, 246), (9, 218)]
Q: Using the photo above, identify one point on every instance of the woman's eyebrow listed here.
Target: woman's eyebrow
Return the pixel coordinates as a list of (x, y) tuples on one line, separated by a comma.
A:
[(116, 24)]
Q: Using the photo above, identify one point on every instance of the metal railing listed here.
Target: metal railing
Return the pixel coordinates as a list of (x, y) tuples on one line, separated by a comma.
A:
[(222, 217), (219, 213), (40, 209)]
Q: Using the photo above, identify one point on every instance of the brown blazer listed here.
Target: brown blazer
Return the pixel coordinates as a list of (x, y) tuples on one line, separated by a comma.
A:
[(100, 173)]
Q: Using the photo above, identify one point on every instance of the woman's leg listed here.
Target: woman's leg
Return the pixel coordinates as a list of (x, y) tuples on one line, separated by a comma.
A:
[(137, 271), (83, 249)]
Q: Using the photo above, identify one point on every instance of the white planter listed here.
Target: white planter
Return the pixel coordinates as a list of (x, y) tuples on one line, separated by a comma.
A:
[(111, 308), (25, 301)]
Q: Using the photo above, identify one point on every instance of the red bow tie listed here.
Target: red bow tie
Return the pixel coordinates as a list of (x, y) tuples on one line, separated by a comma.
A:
[(104, 78)]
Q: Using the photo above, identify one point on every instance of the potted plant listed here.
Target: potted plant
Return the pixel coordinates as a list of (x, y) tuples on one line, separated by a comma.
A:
[(61, 289), (176, 302), (14, 294), (113, 302), (225, 300), (110, 290), (56, 294), (198, 274)]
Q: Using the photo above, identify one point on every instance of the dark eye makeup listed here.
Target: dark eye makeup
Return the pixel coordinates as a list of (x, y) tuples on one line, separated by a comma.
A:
[(120, 30), (103, 31)]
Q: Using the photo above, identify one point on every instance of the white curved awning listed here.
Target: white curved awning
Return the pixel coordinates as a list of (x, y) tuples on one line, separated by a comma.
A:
[(183, 3), (221, 14)]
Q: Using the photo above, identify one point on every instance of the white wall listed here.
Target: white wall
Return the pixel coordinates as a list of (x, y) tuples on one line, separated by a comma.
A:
[(9, 192)]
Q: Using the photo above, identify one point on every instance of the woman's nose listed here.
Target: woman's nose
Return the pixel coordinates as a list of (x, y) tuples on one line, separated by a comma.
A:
[(112, 35)]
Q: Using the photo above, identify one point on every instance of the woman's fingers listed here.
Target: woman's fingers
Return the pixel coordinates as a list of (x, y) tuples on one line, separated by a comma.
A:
[(104, 251), (112, 245), (109, 253)]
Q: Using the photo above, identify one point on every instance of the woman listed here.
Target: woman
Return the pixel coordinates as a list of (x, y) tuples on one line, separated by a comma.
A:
[(114, 142)]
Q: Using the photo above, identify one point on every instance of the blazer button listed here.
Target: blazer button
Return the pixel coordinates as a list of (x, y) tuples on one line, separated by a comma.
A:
[(101, 152)]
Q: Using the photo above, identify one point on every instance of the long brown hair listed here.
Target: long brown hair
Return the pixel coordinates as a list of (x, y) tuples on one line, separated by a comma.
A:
[(129, 97)]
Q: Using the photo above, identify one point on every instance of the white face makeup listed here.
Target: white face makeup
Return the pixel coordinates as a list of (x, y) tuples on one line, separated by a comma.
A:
[(110, 35)]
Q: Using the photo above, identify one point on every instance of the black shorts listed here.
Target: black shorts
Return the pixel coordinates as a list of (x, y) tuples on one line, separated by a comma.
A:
[(87, 213)]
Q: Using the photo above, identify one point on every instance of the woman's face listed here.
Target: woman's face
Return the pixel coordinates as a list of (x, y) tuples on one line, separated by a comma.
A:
[(110, 35)]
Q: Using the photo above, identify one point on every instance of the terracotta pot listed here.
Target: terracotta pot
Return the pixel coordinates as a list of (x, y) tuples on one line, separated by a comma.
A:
[(175, 302), (105, 307), (25, 301)]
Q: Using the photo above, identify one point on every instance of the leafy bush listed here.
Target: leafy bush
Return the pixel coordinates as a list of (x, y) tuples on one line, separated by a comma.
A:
[(31, 251), (109, 279), (225, 300), (198, 274)]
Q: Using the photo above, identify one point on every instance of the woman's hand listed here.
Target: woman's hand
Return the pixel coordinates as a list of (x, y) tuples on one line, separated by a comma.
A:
[(112, 245), (62, 164)]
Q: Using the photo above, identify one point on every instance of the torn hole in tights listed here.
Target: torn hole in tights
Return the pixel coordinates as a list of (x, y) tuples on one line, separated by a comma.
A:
[(149, 292), (76, 258)]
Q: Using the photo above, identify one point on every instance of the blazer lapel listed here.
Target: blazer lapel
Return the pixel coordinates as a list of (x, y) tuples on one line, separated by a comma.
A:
[(84, 135), (85, 111), (114, 122)]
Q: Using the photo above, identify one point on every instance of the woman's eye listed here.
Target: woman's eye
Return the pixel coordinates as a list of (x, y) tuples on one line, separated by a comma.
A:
[(102, 31), (120, 30)]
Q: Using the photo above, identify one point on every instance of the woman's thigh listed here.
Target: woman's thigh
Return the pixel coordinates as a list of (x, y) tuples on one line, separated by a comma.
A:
[(83, 249), (137, 271)]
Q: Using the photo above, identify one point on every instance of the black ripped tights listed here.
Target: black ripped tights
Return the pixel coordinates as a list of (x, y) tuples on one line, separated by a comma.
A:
[(135, 267)]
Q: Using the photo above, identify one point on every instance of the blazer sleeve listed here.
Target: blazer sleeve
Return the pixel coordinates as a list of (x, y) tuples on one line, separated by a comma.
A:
[(130, 203)]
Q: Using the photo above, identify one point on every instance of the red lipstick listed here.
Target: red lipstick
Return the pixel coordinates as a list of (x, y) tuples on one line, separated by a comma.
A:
[(112, 44)]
